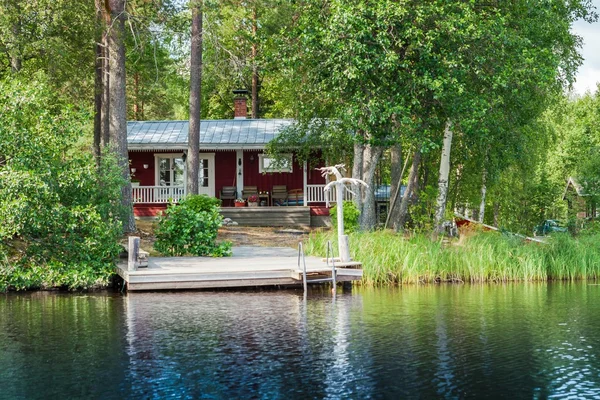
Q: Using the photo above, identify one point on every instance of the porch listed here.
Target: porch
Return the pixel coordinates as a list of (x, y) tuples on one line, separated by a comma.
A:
[(311, 195)]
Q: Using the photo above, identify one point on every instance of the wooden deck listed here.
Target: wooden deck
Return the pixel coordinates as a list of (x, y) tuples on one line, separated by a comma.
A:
[(268, 216), (249, 266)]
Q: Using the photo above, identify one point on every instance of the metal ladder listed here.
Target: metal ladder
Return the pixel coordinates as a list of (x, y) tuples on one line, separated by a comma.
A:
[(333, 272)]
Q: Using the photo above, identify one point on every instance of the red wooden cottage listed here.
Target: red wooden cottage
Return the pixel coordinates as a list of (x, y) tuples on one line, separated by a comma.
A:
[(231, 158)]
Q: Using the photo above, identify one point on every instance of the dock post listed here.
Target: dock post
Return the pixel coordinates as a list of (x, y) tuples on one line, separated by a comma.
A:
[(133, 251)]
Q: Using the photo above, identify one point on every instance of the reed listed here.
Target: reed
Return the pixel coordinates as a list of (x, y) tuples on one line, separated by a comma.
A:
[(390, 259)]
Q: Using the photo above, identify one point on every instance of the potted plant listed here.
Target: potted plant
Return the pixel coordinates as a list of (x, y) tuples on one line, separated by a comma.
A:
[(135, 182), (253, 200), (239, 203)]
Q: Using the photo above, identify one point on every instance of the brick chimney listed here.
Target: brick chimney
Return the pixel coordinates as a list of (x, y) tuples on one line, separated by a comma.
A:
[(240, 108)]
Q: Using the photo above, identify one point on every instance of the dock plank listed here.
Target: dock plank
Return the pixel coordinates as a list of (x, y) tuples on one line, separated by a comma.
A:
[(248, 267)]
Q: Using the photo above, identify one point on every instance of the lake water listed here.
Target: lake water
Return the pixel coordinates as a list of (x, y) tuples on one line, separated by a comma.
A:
[(457, 341)]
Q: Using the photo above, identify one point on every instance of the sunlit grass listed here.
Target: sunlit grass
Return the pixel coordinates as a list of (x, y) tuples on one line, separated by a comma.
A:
[(389, 258)]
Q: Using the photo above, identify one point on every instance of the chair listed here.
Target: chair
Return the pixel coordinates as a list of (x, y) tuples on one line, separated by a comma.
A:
[(279, 195), (228, 193), (248, 191), (295, 197)]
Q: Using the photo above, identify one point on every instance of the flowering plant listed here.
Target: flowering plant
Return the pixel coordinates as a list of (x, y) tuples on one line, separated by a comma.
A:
[(253, 198), (240, 200)]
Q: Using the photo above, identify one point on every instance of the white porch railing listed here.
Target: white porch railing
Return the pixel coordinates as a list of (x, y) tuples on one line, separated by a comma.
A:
[(157, 194), (316, 194), (162, 194)]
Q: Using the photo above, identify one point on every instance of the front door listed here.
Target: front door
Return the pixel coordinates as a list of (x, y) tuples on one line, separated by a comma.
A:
[(171, 171), (170, 177), (206, 174)]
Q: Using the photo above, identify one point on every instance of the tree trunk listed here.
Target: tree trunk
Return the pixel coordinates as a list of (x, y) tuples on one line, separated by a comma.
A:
[(357, 173), (396, 192), (118, 105), (396, 179), (496, 213), (483, 192), (193, 162), (255, 82), (368, 216), (105, 109), (98, 88), (457, 184), (414, 193), (440, 209), (408, 193), (396, 167)]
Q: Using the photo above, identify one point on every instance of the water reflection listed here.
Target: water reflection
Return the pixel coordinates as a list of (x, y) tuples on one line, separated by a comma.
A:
[(272, 344), (515, 341), (60, 346)]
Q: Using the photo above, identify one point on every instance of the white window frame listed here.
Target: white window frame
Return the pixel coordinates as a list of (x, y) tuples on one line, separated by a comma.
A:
[(210, 189), (263, 170), (158, 156)]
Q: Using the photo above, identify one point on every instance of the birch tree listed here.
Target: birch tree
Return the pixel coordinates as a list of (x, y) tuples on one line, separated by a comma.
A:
[(443, 178)]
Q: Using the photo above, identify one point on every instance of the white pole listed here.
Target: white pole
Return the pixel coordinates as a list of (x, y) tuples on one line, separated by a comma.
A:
[(239, 163), (305, 183), (343, 249), (339, 183)]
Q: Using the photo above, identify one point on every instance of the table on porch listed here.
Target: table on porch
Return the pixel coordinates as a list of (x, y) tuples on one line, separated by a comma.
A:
[(266, 197)]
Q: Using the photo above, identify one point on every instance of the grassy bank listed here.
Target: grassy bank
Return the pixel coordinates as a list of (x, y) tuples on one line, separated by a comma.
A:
[(477, 257)]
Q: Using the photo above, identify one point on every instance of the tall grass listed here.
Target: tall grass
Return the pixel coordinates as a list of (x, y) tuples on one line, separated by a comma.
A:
[(389, 258)]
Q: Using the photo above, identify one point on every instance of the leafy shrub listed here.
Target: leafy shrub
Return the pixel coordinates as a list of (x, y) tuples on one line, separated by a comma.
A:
[(202, 203), (351, 215), (191, 227), (590, 228), (58, 211)]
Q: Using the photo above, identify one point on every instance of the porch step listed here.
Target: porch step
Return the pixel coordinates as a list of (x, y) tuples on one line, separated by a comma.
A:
[(268, 216)]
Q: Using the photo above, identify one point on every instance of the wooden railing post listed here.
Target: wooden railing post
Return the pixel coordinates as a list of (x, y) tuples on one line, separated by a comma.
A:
[(133, 252)]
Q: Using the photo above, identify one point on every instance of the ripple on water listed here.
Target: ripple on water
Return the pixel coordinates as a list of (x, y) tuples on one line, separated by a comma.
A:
[(521, 341)]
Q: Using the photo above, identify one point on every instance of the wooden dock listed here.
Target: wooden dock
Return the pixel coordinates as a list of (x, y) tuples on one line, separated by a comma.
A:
[(249, 266)]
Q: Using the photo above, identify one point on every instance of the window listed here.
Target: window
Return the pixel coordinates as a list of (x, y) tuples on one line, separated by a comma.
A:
[(203, 173), (269, 164), (170, 169)]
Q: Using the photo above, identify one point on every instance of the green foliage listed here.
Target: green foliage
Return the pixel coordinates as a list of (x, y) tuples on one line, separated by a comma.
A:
[(190, 228), (58, 210), (590, 228), (202, 203), (234, 28), (481, 257), (56, 36), (351, 215), (391, 73)]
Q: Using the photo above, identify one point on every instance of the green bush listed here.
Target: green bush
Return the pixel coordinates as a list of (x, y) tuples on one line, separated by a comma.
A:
[(351, 215), (58, 211), (202, 203), (190, 228)]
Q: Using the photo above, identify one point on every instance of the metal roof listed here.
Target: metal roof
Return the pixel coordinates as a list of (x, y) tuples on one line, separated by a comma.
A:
[(220, 134)]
